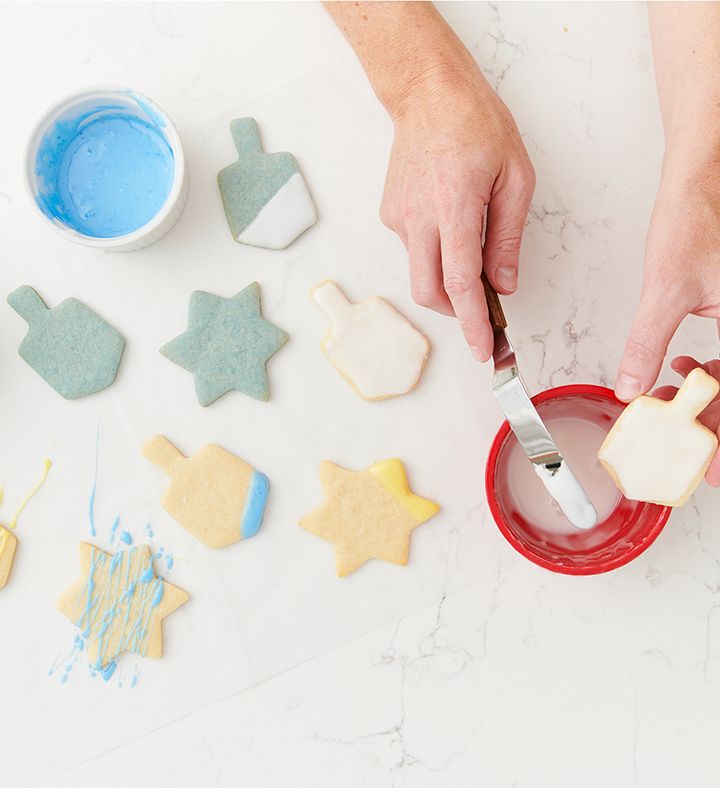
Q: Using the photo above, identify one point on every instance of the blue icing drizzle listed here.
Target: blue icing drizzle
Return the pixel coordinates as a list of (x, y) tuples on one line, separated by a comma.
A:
[(104, 173), (126, 537), (128, 588), (255, 504)]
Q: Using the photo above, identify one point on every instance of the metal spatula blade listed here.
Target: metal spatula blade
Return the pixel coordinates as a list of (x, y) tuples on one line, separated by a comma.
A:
[(530, 431)]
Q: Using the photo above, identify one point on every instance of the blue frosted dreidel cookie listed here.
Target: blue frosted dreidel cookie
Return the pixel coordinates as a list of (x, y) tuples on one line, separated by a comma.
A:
[(118, 604), (227, 345), (367, 514), (70, 346), (266, 199), (215, 495), (8, 545)]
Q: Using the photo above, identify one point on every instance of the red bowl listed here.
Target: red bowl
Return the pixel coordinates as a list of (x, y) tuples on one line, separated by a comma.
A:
[(629, 530)]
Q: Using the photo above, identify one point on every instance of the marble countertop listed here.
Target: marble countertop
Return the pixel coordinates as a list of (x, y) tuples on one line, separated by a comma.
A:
[(468, 667)]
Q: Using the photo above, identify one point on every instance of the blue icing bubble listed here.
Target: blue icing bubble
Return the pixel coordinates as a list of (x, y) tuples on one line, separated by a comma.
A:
[(255, 504), (105, 173)]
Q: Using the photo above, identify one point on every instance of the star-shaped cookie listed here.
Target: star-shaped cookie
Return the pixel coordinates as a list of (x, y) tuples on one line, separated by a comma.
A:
[(367, 514), (227, 344), (118, 604)]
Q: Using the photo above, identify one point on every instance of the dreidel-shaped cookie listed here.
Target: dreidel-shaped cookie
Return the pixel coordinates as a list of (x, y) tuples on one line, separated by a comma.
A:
[(70, 346), (8, 545), (266, 199), (378, 351), (215, 495), (657, 451)]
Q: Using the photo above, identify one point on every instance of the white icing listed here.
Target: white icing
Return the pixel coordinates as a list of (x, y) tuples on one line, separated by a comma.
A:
[(568, 494), (380, 352), (285, 216), (657, 450)]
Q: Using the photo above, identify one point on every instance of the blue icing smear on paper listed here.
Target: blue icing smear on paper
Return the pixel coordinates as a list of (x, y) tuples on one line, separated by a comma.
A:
[(106, 172), (255, 504)]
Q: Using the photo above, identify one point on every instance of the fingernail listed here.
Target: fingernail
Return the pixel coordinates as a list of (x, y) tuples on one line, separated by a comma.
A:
[(477, 352), (506, 277), (627, 387)]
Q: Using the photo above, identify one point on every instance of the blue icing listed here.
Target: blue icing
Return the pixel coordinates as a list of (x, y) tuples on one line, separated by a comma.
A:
[(104, 173), (126, 537), (255, 504)]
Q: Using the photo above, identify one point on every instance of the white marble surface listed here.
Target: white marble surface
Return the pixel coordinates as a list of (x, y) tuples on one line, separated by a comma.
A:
[(468, 667)]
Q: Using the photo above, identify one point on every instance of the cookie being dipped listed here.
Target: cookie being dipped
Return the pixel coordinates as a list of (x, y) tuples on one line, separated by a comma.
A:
[(658, 451)]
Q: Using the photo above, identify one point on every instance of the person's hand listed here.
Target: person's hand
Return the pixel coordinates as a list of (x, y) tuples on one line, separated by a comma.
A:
[(710, 417), (682, 269), (455, 153)]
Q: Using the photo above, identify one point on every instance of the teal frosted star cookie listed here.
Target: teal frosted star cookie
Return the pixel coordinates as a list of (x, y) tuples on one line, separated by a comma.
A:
[(266, 199), (227, 345), (70, 346)]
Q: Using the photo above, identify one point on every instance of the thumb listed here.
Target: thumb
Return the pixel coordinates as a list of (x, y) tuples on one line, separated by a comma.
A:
[(655, 323), (506, 217)]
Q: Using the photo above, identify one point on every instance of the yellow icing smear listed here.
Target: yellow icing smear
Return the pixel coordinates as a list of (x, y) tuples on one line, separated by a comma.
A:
[(28, 497), (391, 475)]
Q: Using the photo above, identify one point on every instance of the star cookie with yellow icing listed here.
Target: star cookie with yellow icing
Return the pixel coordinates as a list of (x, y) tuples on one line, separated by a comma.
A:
[(367, 514), (118, 604)]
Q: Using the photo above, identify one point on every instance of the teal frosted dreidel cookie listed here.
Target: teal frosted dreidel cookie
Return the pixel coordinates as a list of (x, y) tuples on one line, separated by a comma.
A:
[(266, 199), (70, 346), (227, 345)]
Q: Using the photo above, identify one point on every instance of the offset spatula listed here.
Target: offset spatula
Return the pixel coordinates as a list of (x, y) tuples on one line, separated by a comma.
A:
[(525, 422)]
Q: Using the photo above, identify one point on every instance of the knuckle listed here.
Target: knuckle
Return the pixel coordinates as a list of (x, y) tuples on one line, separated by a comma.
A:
[(423, 295), (641, 347), (458, 282), (388, 216), (509, 244)]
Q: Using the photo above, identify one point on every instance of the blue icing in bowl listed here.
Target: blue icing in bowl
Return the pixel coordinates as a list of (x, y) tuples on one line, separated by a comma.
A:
[(106, 172)]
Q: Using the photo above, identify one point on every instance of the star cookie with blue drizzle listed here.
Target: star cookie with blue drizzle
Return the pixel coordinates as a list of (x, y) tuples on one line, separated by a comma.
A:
[(227, 345), (215, 495), (119, 604)]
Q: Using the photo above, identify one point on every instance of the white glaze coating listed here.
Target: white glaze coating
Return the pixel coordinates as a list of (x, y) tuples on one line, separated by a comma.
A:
[(371, 344), (281, 220), (568, 494), (657, 451)]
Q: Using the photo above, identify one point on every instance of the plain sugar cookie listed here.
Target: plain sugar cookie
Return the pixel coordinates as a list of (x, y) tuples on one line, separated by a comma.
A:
[(657, 451), (266, 199), (367, 514), (378, 351), (215, 495)]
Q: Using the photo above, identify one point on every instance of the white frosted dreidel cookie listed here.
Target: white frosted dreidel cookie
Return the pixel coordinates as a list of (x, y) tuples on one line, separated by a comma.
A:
[(378, 351), (657, 451)]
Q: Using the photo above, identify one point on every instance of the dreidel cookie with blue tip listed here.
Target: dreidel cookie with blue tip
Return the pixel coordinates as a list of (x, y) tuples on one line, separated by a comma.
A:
[(215, 495), (266, 199)]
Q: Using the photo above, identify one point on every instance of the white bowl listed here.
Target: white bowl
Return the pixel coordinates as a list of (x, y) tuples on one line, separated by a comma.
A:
[(140, 106)]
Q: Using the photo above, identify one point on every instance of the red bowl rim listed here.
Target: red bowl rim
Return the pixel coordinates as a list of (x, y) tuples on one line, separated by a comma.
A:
[(594, 569)]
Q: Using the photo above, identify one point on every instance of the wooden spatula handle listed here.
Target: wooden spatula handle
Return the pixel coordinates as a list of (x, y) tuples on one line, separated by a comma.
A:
[(495, 310)]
